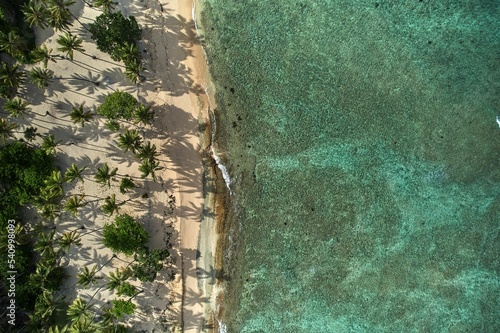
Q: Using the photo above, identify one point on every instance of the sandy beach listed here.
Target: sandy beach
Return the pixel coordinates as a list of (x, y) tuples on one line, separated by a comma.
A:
[(172, 207)]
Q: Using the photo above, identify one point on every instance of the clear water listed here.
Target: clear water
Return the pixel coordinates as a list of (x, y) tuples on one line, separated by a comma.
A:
[(363, 148)]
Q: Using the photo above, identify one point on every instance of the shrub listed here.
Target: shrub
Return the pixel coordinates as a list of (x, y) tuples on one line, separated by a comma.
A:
[(118, 105), (125, 235), (149, 263), (122, 307), (112, 32)]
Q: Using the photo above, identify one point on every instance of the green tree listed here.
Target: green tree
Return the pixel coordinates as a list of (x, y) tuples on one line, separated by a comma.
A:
[(149, 167), (126, 184), (105, 174), (73, 172), (118, 278), (79, 115), (41, 77), (122, 307), (16, 107), (36, 14), (42, 53), (147, 151), (13, 43), (144, 114), (6, 130), (118, 105), (79, 310), (69, 238), (130, 140), (56, 329), (69, 43), (53, 183), (110, 205), (60, 16), (128, 52), (133, 69), (88, 276), (106, 5), (111, 31), (125, 235), (49, 144), (11, 76), (149, 263), (74, 203)]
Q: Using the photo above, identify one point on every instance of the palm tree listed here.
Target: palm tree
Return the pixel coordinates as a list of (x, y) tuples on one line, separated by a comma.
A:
[(69, 238), (130, 140), (104, 175), (45, 242), (56, 329), (110, 205), (148, 167), (79, 310), (11, 76), (36, 14), (53, 183), (143, 114), (73, 173), (147, 151), (133, 69), (88, 276), (84, 326), (16, 107), (74, 203), (69, 43), (45, 307), (49, 144), (41, 77), (78, 115), (107, 5), (30, 133), (60, 16), (13, 43), (128, 52), (21, 237), (45, 202), (126, 184), (117, 279), (41, 53), (6, 130)]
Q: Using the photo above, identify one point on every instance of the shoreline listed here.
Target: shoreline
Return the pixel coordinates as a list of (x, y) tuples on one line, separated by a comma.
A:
[(211, 238)]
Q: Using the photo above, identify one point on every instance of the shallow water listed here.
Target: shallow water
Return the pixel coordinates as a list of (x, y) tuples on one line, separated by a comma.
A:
[(363, 148)]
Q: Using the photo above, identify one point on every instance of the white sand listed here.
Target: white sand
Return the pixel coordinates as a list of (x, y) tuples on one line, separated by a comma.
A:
[(174, 77)]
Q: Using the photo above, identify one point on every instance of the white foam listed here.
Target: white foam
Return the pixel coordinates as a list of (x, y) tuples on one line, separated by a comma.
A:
[(498, 121), (223, 169), (222, 327)]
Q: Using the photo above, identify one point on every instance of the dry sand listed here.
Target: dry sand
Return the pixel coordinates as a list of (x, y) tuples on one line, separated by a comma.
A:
[(175, 87)]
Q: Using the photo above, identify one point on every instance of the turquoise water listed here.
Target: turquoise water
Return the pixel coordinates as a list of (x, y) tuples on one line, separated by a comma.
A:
[(364, 154)]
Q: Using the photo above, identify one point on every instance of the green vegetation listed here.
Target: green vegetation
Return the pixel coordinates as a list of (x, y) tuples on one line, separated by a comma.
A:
[(28, 176), (122, 307), (112, 32), (16, 38), (118, 105), (149, 262), (22, 173), (125, 235)]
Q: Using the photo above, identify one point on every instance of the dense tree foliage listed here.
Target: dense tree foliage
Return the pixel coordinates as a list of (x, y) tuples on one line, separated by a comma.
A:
[(149, 263), (118, 105), (16, 38), (125, 235), (112, 32), (22, 173)]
